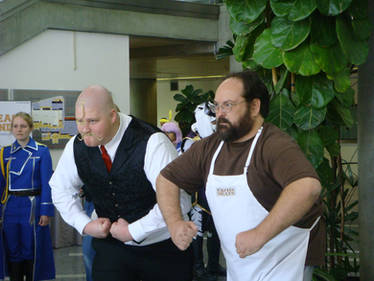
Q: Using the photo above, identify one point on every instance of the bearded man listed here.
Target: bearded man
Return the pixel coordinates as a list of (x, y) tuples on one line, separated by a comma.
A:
[(262, 191)]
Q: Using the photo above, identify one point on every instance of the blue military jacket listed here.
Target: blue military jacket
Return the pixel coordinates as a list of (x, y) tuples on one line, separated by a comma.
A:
[(30, 169)]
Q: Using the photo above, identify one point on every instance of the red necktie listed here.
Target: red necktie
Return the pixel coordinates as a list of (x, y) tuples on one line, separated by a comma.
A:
[(106, 158)]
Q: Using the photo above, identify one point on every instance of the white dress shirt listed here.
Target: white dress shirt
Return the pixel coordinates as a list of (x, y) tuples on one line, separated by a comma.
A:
[(66, 183)]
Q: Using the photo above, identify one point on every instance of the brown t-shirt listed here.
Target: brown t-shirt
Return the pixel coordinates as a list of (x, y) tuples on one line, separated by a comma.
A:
[(277, 161)]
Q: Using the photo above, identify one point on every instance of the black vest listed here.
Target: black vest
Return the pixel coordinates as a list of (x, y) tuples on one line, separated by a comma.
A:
[(125, 191)]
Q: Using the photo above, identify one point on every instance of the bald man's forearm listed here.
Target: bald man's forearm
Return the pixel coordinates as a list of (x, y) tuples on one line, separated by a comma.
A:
[(168, 200), (181, 232)]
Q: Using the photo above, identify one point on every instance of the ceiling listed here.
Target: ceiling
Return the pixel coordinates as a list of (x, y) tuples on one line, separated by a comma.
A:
[(152, 58)]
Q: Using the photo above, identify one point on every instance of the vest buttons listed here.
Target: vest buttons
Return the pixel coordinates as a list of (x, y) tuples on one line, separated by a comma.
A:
[(110, 182), (113, 194), (116, 205)]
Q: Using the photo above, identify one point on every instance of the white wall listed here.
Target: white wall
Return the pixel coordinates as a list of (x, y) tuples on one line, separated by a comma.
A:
[(64, 60), (165, 100)]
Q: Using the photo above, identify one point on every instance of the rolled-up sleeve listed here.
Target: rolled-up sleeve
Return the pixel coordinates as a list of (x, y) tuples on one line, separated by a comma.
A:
[(160, 151), (65, 185)]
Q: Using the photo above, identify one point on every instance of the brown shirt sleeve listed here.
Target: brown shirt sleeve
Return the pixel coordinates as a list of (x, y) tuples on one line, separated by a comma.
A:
[(279, 161), (284, 159), (189, 171)]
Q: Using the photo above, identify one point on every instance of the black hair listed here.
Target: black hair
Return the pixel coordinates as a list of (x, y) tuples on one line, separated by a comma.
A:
[(253, 88)]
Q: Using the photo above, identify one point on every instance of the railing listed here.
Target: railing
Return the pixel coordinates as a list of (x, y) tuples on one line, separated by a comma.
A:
[(208, 2)]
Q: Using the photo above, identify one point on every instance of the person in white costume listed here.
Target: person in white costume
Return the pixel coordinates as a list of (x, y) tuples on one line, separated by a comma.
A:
[(262, 191)]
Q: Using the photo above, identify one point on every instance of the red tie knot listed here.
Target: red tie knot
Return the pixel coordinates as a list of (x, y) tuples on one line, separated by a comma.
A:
[(106, 158)]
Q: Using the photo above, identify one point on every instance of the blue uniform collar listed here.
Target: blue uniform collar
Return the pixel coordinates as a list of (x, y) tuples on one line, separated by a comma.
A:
[(16, 146)]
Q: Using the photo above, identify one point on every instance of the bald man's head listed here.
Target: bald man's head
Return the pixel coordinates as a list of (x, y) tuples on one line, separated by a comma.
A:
[(96, 116), (97, 96)]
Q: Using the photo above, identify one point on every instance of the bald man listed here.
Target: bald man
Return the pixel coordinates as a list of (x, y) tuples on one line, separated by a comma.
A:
[(117, 158)]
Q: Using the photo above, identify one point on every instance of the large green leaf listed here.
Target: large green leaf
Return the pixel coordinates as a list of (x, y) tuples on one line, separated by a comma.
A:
[(328, 134), (362, 28), (243, 47), (181, 106), (225, 51), (322, 91), (311, 144), (179, 97), (265, 53), (356, 50), (188, 91), (243, 28), (346, 98), (302, 9), (340, 114), (266, 77), (281, 8), (332, 7), (281, 111), (250, 64), (287, 35), (330, 59), (323, 30), (185, 115), (246, 10), (334, 149), (326, 175), (303, 90), (282, 79), (342, 80), (332, 116), (301, 61), (346, 115), (308, 117)]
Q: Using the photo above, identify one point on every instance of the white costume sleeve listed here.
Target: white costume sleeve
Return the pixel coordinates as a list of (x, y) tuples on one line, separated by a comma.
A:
[(160, 151), (65, 185)]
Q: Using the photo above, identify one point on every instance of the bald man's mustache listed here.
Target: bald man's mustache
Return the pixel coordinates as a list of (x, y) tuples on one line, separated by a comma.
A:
[(81, 136)]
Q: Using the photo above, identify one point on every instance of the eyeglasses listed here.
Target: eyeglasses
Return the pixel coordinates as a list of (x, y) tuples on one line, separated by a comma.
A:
[(226, 107)]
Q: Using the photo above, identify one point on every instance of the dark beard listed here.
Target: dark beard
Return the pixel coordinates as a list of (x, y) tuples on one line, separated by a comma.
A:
[(229, 132)]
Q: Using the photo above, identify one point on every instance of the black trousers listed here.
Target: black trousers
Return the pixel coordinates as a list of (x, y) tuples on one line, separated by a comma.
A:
[(163, 261)]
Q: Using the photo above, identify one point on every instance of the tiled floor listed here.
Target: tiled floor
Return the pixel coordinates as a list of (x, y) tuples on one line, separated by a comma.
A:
[(69, 264)]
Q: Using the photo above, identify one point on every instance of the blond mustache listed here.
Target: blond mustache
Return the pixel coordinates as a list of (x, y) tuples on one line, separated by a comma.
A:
[(81, 137)]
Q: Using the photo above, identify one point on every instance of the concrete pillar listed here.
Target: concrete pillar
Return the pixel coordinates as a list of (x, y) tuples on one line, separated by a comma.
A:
[(366, 159), (225, 34), (143, 99)]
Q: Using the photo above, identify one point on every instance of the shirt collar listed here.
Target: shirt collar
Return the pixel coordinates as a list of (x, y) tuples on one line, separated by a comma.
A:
[(16, 146), (113, 144)]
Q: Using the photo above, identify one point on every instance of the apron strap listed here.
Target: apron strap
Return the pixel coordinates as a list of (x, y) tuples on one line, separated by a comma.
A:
[(314, 224), (249, 156), (215, 158), (253, 145)]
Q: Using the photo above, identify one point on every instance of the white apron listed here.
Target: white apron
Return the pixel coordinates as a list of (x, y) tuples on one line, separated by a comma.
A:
[(235, 209)]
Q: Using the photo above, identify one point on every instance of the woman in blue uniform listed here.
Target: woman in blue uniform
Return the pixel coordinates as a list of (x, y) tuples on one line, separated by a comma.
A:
[(26, 168)]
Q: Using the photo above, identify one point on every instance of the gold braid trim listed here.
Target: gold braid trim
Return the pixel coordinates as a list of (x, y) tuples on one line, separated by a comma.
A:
[(4, 196), (197, 204)]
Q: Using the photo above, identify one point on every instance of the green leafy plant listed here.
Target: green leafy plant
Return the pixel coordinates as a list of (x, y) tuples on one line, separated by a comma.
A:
[(187, 100), (305, 51)]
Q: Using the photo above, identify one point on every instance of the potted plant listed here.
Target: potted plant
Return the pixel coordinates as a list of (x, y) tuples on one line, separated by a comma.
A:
[(188, 99), (305, 51)]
